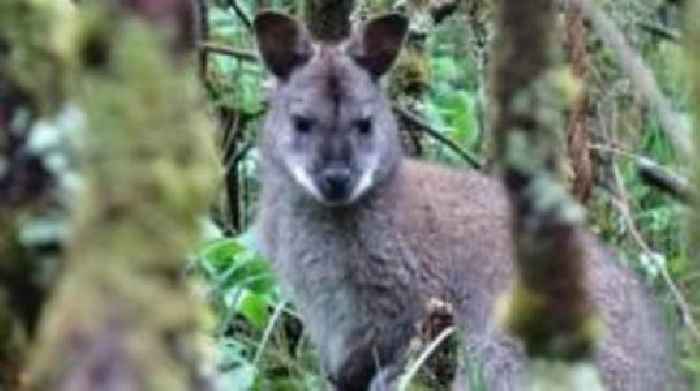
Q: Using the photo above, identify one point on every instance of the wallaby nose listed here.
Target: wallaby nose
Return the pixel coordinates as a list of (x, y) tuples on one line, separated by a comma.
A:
[(335, 183)]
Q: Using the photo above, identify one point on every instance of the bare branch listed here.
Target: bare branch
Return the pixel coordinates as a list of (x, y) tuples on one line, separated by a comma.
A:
[(654, 174), (240, 54), (437, 135), (241, 14), (202, 36), (441, 9), (661, 32), (238, 156)]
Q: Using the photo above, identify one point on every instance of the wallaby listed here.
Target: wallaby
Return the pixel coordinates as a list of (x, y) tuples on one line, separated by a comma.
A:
[(362, 237)]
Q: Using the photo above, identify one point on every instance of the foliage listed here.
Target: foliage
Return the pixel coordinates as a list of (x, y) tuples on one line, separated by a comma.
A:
[(624, 129), (255, 348)]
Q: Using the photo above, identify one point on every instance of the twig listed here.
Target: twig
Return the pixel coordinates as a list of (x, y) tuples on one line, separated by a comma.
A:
[(654, 174), (240, 54), (203, 35), (241, 14), (411, 372), (268, 331), (641, 76), (238, 156), (232, 129), (441, 9), (661, 32), (622, 204), (418, 122)]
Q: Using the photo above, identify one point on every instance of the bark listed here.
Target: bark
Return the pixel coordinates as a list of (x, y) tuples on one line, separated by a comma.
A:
[(578, 131), (549, 308), (410, 78)]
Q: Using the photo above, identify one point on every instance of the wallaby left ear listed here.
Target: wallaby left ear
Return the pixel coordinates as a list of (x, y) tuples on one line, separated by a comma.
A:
[(283, 43), (378, 43)]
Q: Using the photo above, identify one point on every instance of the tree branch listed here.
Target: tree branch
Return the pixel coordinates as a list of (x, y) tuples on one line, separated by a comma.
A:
[(203, 36), (654, 174), (441, 9), (241, 14), (240, 54), (425, 127), (661, 32)]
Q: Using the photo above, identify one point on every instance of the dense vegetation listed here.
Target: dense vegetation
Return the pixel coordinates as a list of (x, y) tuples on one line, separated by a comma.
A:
[(628, 168), (644, 223)]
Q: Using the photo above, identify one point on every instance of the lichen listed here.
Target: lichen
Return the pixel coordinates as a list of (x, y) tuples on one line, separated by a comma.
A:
[(39, 34), (529, 314), (149, 168)]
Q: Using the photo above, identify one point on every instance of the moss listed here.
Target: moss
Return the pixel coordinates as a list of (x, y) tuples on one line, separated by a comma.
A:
[(40, 55), (411, 75), (149, 169), (550, 308), (562, 376), (535, 318)]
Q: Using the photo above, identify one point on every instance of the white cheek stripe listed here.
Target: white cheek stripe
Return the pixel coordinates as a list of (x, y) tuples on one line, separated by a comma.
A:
[(365, 181), (303, 178)]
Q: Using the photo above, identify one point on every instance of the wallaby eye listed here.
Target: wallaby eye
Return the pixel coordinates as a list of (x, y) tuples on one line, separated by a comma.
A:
[(302, 124), (364, 126)]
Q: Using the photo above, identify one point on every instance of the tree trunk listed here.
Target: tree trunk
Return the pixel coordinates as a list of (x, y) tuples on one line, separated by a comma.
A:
[(549, 308), (578, 131), (121, 317)]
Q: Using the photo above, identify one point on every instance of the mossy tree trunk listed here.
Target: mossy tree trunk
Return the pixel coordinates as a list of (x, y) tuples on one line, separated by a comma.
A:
[(410, 79), (121, 316), (549, 308)]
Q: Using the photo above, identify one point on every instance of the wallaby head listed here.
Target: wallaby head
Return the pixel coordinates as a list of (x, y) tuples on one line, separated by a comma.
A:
[(329, 126)]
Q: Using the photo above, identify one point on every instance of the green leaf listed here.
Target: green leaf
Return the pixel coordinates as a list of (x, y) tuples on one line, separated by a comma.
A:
[(221, 252), (255, 309)]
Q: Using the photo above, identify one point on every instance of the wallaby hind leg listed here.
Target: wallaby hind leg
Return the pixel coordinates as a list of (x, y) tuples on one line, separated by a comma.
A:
[(493, 362), (374, 357)]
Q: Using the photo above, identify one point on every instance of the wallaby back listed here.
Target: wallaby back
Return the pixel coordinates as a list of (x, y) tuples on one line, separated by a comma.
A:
[(362, 238)]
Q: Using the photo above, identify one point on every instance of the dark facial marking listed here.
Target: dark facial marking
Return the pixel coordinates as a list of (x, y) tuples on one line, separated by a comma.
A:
[(331, 72)]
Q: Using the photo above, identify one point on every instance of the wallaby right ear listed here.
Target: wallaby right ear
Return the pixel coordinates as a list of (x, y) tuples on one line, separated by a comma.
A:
[(282, 41), (378, 43)]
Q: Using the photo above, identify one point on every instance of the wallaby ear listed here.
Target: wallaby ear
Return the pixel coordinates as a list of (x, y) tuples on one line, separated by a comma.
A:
[(378, 43), (283, 43)]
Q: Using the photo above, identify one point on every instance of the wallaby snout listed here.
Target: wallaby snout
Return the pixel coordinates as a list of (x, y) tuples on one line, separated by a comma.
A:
[(335, 184)]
